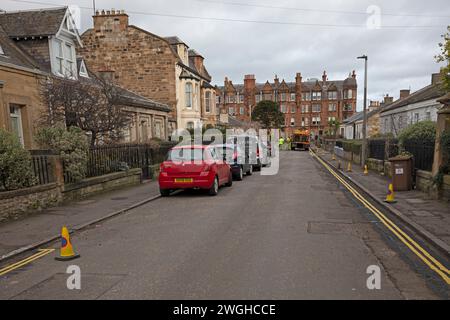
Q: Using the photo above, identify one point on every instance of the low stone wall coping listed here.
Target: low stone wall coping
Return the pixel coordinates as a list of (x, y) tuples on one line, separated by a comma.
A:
[(26, 191), (101, 179)]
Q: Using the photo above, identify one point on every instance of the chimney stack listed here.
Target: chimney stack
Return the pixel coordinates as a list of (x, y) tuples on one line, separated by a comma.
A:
[(436, 78), (276, 80), (324, 76), (354, 74), (298, 79), (110, 20), (388, 99), (404, 93), (249, 82)]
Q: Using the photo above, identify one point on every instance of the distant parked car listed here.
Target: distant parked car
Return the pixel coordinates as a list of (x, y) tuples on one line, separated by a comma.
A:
[(255, 150), (236, 158), (194, 167)]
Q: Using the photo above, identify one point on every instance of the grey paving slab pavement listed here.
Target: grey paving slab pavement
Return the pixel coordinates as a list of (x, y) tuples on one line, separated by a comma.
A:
[(432, 215), (43, 225)]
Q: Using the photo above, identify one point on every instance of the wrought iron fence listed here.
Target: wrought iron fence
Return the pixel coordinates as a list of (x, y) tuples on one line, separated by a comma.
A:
[(108, 159), (423, 155), (42, 167), (378, 150)]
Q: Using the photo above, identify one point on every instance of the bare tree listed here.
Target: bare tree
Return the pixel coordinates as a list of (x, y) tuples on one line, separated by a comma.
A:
[(94, 105)]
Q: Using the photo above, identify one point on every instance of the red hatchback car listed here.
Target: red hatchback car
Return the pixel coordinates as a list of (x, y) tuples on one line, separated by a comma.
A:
[(194, 167)]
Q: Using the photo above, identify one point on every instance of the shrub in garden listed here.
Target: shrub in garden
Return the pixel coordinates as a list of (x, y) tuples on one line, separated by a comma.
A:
[(71, 145), (423, 133), (15, 163)]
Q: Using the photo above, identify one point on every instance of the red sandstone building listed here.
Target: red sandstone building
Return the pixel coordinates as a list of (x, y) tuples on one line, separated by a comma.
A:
[(309, 104)]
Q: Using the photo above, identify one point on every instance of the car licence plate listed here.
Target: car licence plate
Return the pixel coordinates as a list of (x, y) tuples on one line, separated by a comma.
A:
[(184, 180)]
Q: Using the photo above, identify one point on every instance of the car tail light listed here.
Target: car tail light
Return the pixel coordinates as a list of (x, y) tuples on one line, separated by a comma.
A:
[(163, 170)]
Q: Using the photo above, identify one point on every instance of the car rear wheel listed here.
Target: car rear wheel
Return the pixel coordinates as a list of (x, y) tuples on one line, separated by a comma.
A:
[(240, 175), (230, 179), (214, 190), (250, 171), (164, 192)]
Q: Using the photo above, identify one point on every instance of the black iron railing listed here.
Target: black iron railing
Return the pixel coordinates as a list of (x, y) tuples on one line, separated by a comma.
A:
[(423, 155), (108, 159), (42, 166)]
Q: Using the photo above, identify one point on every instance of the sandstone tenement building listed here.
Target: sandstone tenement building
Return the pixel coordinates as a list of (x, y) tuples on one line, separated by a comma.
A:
[(155, 67), (38, 44), (309, 104)]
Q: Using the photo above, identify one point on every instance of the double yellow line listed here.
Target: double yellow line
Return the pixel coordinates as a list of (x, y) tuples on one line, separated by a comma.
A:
[(420, 252), (41, 253)]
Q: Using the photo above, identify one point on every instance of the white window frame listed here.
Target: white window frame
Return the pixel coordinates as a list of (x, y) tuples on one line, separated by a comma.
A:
[(208, 101), (314, 108), (317, 95), (17, 114), (188, 94)]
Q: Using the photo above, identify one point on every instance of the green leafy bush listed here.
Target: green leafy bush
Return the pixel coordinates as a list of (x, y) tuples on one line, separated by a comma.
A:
[(71, 145), (420, 133), (15, 163), (352, 146)]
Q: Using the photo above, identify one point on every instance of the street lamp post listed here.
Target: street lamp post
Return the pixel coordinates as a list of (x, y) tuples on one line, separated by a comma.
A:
[(364, 144)]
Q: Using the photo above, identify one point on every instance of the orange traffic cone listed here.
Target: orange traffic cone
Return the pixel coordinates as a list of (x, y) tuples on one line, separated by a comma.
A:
[(366, 170), (391, 195), (67, 253), (349, 167)]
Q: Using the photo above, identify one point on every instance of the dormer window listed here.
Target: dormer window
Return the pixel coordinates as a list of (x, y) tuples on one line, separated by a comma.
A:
[(64, 58)]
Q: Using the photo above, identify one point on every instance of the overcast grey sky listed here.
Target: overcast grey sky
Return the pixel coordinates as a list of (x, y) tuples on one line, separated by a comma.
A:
[(401, 53)]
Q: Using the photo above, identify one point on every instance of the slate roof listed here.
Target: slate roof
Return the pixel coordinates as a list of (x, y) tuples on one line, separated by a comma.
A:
[(133, 99), (174, 40), (359, 116), (13, 55), (429, 92), (42, 22)]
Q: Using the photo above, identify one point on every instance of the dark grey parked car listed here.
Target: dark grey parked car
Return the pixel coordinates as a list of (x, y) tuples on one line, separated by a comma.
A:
[(235, 157)]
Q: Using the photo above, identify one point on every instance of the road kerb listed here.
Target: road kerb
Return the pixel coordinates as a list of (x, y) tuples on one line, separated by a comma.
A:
[(42, 243), (438, 244)]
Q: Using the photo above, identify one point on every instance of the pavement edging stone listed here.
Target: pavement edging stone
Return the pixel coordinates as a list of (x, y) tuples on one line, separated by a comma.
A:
[(437, 243)]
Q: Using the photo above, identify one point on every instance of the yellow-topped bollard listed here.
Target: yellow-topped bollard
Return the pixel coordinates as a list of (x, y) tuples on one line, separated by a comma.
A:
[(390, 198), (66, 253)]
